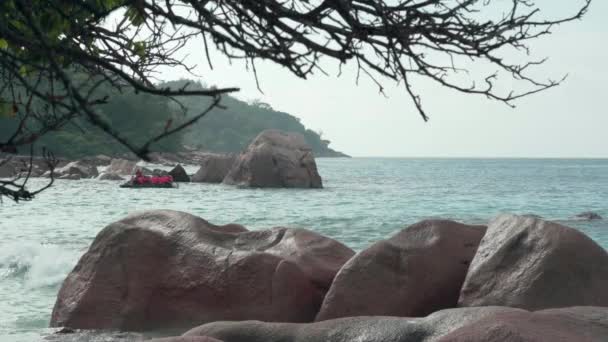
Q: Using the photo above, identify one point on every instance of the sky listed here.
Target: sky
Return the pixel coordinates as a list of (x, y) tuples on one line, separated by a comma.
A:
[(564, 122)]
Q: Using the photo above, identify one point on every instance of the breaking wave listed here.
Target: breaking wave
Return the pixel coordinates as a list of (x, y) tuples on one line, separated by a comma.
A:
[(37, 265)]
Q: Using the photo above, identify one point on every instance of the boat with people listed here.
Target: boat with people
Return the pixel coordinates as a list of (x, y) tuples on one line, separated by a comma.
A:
[(142, 181)]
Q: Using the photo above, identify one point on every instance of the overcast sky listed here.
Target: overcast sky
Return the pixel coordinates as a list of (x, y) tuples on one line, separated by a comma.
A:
[(568, 121)]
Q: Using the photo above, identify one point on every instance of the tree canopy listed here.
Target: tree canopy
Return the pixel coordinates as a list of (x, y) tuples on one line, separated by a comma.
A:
[(62, 60)]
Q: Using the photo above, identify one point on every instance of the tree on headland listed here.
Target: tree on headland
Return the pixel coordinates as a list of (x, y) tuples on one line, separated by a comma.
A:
[(62, 60)]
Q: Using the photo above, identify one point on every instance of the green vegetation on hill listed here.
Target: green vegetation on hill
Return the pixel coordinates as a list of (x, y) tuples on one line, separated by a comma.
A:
[(233, 128), (139, 117), (136, 116)]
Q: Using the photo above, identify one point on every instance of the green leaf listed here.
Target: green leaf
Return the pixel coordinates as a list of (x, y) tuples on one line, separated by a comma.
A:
[(23, 70), (135, 16), (140, 49), (3, 44)]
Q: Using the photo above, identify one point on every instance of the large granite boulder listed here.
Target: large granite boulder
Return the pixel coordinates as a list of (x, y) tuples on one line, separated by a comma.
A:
[(589, 324), (163, 269), (348, 329), (179, 174), (276, 159), (214, 168), (122, 167), (77, 170), (533, 264), (416, 272)]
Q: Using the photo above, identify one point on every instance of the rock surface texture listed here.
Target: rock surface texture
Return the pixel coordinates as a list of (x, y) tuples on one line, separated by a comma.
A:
[(165, 269), (479, 324), (533, 264), (214, 168), (276, 159), (584, 324), (416, 272)]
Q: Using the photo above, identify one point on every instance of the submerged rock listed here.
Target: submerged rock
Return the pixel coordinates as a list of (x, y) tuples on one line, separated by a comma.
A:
[(533, 264), (179, 174), (161, 269), (276, 159), (214, 168), (588, 216), (416, 272)]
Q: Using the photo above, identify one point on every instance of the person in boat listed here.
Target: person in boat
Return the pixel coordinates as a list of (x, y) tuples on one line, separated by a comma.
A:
[(140, 178)]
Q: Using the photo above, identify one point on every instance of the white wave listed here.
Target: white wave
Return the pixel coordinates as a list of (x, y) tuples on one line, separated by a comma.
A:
[(39, 265)]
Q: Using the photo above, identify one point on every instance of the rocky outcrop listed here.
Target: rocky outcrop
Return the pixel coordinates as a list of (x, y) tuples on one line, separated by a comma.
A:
[(487, 324), (533, 264), (276, 159), (588, 216), (160, 269), (122, 167), (179, 174), (110, 177), (7, 170), (421, 270), (13, 166), (77, 170), (588, 324), (98, 160), (214, 168)]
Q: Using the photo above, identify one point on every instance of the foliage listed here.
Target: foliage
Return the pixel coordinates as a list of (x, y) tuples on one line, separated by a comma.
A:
[(233, 128)]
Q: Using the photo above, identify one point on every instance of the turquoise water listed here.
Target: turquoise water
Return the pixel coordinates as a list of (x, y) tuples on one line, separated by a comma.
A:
[(364, 200)]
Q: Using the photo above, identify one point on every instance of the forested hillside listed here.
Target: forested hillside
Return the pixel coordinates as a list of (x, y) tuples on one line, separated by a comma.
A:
[(139, 117), (233, 128)]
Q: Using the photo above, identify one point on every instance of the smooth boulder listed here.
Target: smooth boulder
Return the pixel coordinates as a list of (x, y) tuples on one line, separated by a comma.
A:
[(418, 271), (179, 174), (349, 329), (585, 324), (122, 167), (533, 264), (214, 168), (166, 269), (276, 159)]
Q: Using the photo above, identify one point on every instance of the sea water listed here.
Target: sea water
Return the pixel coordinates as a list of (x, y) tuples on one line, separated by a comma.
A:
[(364, 200)]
